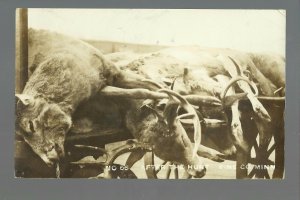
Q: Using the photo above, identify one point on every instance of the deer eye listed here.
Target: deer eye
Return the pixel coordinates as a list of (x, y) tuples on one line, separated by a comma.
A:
[(61, 130), (31, 126)]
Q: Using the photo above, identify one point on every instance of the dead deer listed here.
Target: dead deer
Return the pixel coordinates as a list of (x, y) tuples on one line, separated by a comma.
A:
[(273, 67), (234, 70), (65, 73), (165, 132), (207, 63), (202, 65), (236, 126)]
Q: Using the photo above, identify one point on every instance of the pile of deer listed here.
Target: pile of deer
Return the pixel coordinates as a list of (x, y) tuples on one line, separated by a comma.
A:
[(161, 94)]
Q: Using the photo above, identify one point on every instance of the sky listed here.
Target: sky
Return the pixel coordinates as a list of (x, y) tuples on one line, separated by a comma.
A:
[(247, 30)]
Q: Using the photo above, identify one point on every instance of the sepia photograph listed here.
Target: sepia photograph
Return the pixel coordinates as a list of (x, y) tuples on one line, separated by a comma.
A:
[(150, 93)]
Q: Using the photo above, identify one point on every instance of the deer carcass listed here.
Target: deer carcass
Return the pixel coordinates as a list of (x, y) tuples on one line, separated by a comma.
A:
[(65, 72), (202, 65), (273, 67), (164, 131)]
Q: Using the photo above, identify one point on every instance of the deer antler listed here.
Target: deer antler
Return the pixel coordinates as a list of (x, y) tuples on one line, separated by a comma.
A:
[(229, 65), (147, 94), (190, 113), (233, 81)]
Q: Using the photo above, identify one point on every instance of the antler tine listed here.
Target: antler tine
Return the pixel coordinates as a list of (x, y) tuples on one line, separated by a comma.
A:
[(232, 82), (153, 83), (238, 69), (239, 73), (239, 77), (172, 94), (149, 107), (173, 83), (189, 108)]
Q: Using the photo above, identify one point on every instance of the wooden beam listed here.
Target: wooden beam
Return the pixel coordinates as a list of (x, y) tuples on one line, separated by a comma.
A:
[(21, 65)]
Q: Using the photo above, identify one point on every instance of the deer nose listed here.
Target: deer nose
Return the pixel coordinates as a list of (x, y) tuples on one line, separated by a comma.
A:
[(52, 155), (200, 173), (49, 147)]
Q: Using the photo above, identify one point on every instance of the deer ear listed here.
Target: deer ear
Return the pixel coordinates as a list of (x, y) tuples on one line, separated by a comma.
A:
[(24, 99), (37, 60)]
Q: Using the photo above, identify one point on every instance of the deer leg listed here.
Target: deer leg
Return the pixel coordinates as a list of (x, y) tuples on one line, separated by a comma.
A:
[(258, 108), (236, 126), (130, 80), (210, 153)]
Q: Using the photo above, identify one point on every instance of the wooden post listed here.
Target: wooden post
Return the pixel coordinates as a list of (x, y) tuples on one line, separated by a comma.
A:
[(21, 76), (21, 73)]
